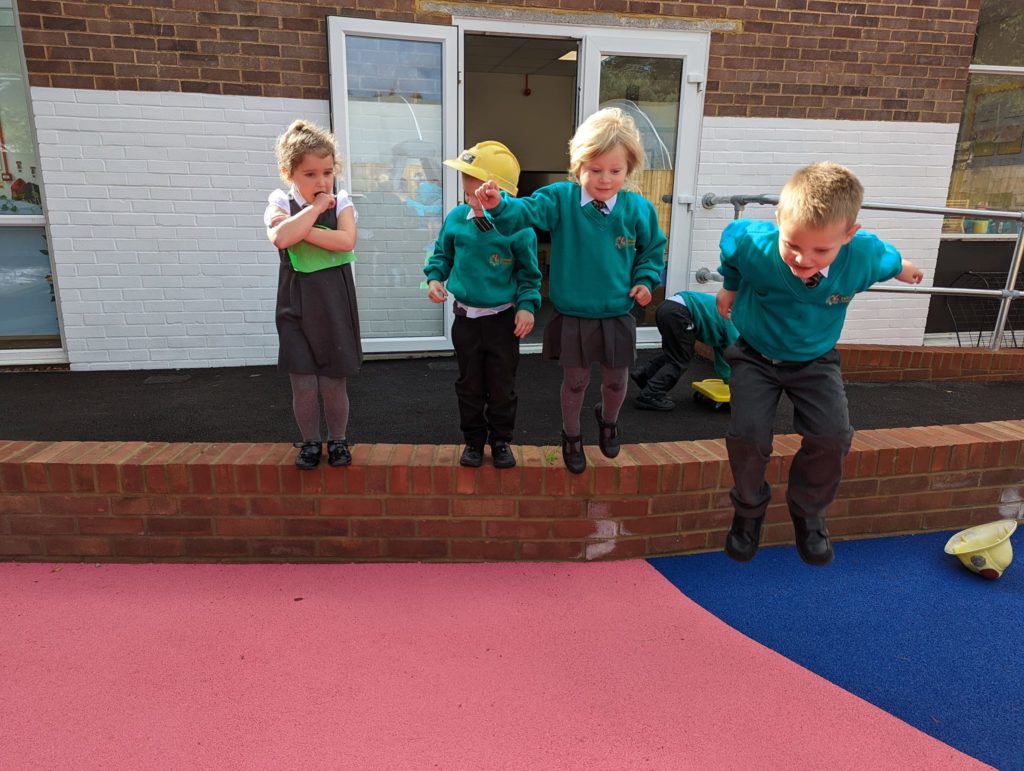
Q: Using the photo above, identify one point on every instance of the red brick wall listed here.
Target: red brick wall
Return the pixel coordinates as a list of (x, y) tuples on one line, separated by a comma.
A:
[(904, 60), (138, 501), (894, 362)]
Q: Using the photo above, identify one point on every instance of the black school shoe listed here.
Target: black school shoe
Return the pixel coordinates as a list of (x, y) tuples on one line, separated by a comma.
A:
[(338, 453), (501, 455), (309, 455), (744, 537), (472, 456), (572, 453), (812, 540), (654, 402), (607, 434)]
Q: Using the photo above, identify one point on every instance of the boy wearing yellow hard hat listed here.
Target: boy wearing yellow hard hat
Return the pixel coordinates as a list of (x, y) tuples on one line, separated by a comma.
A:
[(495, 284)]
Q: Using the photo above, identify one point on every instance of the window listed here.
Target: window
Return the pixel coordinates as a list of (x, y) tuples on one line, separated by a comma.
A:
[(28, 314), (988, 165)]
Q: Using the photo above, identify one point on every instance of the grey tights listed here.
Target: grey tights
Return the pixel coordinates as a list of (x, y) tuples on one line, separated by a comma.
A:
[(307, 391), (574, 388)]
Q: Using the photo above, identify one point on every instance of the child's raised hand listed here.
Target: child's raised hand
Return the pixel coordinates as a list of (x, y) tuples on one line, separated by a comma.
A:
[(524, 323), (436, 291), (641, 294), (723, 301), (488, 194), (324, 201)]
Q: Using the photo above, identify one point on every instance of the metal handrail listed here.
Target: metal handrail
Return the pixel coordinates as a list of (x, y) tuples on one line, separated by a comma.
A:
[(1006, 295)]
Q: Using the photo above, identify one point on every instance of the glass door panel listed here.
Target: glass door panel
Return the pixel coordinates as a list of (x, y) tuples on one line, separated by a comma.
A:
[(657, 80), (647, 89), (393, 86)]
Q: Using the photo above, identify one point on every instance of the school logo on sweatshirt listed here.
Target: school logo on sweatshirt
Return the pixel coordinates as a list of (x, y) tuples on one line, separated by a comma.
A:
[(497, 259), (839, 299), (622, 242)]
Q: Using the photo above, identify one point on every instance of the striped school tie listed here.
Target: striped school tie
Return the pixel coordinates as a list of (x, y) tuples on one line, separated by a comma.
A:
[(601, 206), (814, 280), (482, 224)]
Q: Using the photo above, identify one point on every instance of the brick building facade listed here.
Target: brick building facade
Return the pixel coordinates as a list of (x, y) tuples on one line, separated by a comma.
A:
[(155, 120)]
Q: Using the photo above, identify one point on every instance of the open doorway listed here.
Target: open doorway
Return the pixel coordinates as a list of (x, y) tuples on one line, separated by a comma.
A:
[(521, 91)]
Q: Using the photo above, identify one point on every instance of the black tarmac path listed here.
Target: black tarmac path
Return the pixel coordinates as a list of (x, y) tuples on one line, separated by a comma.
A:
[(413, 401)]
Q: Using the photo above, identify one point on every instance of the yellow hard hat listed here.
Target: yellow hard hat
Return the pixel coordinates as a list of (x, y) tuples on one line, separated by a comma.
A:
[(984, 549), (489, 160)]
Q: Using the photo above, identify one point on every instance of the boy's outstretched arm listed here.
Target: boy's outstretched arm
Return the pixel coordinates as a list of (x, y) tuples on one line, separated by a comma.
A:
[(911, 274), (723, 301)]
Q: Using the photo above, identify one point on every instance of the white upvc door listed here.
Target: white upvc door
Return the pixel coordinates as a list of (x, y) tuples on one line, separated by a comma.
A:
[(397, 105), (394, 109), (658, 78)]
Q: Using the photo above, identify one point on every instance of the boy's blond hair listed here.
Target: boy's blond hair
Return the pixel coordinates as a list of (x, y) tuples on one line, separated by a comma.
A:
[(300, 138), (821, 194), (601, 132)]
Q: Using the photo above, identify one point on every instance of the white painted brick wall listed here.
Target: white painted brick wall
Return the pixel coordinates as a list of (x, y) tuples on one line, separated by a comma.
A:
[(896, 162), (155, 204)]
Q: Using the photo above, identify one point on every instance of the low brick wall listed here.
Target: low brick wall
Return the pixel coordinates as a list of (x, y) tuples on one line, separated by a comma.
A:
[(894, 362), (861, 361), (138, 501)]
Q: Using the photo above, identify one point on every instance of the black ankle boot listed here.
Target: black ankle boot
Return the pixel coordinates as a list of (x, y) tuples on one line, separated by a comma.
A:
[(744, 536), (812, 540), (607, 434), (572, 453), (309, 455)]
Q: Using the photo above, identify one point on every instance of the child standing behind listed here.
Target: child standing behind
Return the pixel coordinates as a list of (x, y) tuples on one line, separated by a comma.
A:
[(683, 319), (496, 284), (607, 253), (314, 229), (787, 287)]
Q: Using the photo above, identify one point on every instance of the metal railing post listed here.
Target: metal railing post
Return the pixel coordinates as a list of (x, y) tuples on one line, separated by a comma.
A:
[(1011, 282)]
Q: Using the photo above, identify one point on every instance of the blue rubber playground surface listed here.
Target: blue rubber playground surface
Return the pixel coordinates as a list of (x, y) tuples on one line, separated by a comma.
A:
[(895, 621)]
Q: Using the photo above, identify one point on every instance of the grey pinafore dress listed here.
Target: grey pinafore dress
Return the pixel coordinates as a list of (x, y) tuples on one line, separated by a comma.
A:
[(317, 317)]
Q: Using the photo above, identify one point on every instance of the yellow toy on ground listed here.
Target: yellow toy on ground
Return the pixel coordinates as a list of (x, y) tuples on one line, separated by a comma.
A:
[(713, 391), (984, 549)]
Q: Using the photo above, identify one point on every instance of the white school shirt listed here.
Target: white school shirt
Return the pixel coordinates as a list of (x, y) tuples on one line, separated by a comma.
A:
[(586, 198), (277, 202)]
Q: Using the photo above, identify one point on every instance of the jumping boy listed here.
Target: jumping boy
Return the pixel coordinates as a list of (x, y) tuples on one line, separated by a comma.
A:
[(787, 287)]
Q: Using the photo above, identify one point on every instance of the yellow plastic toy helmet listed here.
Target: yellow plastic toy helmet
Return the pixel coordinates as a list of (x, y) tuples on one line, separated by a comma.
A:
[(984, 549), (489, 160)]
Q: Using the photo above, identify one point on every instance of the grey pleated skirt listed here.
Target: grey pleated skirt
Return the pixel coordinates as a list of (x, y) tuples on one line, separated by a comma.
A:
[(579, 342)]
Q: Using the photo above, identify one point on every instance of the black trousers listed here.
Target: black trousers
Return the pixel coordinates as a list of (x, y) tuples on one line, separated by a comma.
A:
[(820, 415), (677, 342), (487, 350)]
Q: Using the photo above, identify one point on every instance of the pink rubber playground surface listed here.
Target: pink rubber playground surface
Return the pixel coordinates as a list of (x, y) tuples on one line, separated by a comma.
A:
[(483, 666)]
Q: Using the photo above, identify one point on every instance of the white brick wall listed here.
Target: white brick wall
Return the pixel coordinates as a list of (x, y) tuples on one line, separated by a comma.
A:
[(155, 204), (896, 163)]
